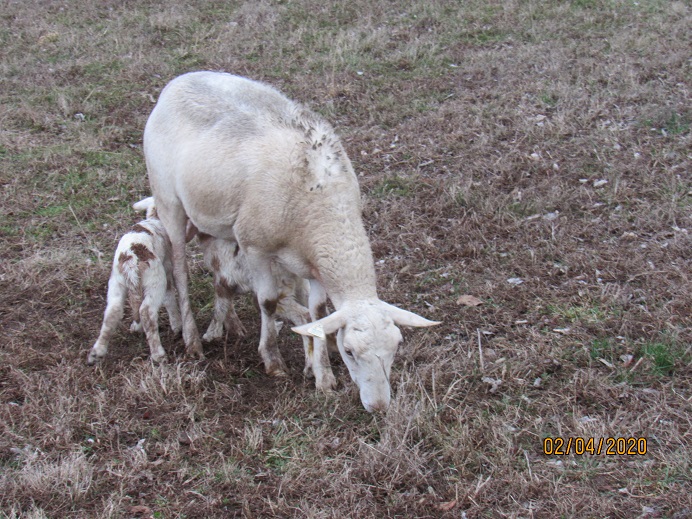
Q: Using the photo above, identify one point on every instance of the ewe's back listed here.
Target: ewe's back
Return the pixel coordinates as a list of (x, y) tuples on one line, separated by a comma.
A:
[(233, 105), (228, 150)]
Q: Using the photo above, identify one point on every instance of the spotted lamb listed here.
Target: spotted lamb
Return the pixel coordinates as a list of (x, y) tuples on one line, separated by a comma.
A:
[(143, 270), (234, 275)]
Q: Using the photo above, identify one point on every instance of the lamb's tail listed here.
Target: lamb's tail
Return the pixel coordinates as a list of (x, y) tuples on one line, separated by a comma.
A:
[(131, 268)]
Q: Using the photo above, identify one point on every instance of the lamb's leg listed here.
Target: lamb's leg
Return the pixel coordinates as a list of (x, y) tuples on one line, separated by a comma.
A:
[(224, 311), (290, 309), (324, 377), (111, 318), (135, 302), (149, 312), (233, 322), (155, 292), (268, 297), (221, 306)]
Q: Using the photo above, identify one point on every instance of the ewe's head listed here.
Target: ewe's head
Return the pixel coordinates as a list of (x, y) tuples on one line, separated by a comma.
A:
[(367, 337)]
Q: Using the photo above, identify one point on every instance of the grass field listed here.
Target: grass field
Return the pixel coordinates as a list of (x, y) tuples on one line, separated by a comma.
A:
[(534, 155)]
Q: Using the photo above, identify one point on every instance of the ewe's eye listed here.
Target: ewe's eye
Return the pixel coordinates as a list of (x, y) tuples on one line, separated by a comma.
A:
[(348, 352)]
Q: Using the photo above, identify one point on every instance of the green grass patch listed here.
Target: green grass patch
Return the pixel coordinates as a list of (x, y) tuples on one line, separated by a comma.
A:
[(588, 313), (394, 186), (665, 356)]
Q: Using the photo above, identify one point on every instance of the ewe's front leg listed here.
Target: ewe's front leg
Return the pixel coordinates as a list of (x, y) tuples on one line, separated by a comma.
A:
[(324, 377)]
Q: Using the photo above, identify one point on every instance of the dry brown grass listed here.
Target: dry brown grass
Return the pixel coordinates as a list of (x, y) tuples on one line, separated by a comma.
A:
[(483, 135)]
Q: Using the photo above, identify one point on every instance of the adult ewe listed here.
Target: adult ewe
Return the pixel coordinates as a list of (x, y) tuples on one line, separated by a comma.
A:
[(245, 163)]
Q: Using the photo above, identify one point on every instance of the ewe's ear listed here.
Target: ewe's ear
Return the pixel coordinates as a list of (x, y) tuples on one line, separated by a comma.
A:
[(406, 318), (324, 326)]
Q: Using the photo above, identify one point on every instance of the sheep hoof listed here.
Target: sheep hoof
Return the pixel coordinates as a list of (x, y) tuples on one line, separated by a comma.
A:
[(327, 384), (276, 367), (159, 359), (93, 359), (195, 351), (210, 336)]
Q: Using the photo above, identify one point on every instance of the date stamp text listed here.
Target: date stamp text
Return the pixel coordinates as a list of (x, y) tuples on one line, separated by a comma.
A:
[(559, 446)]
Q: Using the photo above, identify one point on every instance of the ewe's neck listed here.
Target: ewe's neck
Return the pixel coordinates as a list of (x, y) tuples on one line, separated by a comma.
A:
[(343, 262)]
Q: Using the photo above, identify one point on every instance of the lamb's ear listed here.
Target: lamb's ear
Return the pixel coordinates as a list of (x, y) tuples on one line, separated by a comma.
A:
[(146, 204), (190, 231), (324, 326), (406, 318)]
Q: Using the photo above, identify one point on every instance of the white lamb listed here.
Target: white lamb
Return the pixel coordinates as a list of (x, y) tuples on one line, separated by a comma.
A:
[(244, 163), (142, 269), (233, 275)]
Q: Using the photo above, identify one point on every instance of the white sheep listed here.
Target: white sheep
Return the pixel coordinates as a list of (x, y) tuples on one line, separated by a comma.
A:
[(142, 269), (233, 275), (245, 163)]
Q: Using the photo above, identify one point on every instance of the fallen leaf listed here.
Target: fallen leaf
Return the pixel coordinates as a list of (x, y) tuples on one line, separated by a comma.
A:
[(184, 438), (468, 300), (494, 383), (605, 362), (140, 510), (626, 359), (446, 507)]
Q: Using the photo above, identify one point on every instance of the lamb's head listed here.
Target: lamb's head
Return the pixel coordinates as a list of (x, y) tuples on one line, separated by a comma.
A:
[(367, 337), (147, 204)]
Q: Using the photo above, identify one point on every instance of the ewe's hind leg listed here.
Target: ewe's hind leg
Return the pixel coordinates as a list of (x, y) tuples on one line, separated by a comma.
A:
[(171, 304), (111, 318), (175, 223), (324, 377)]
